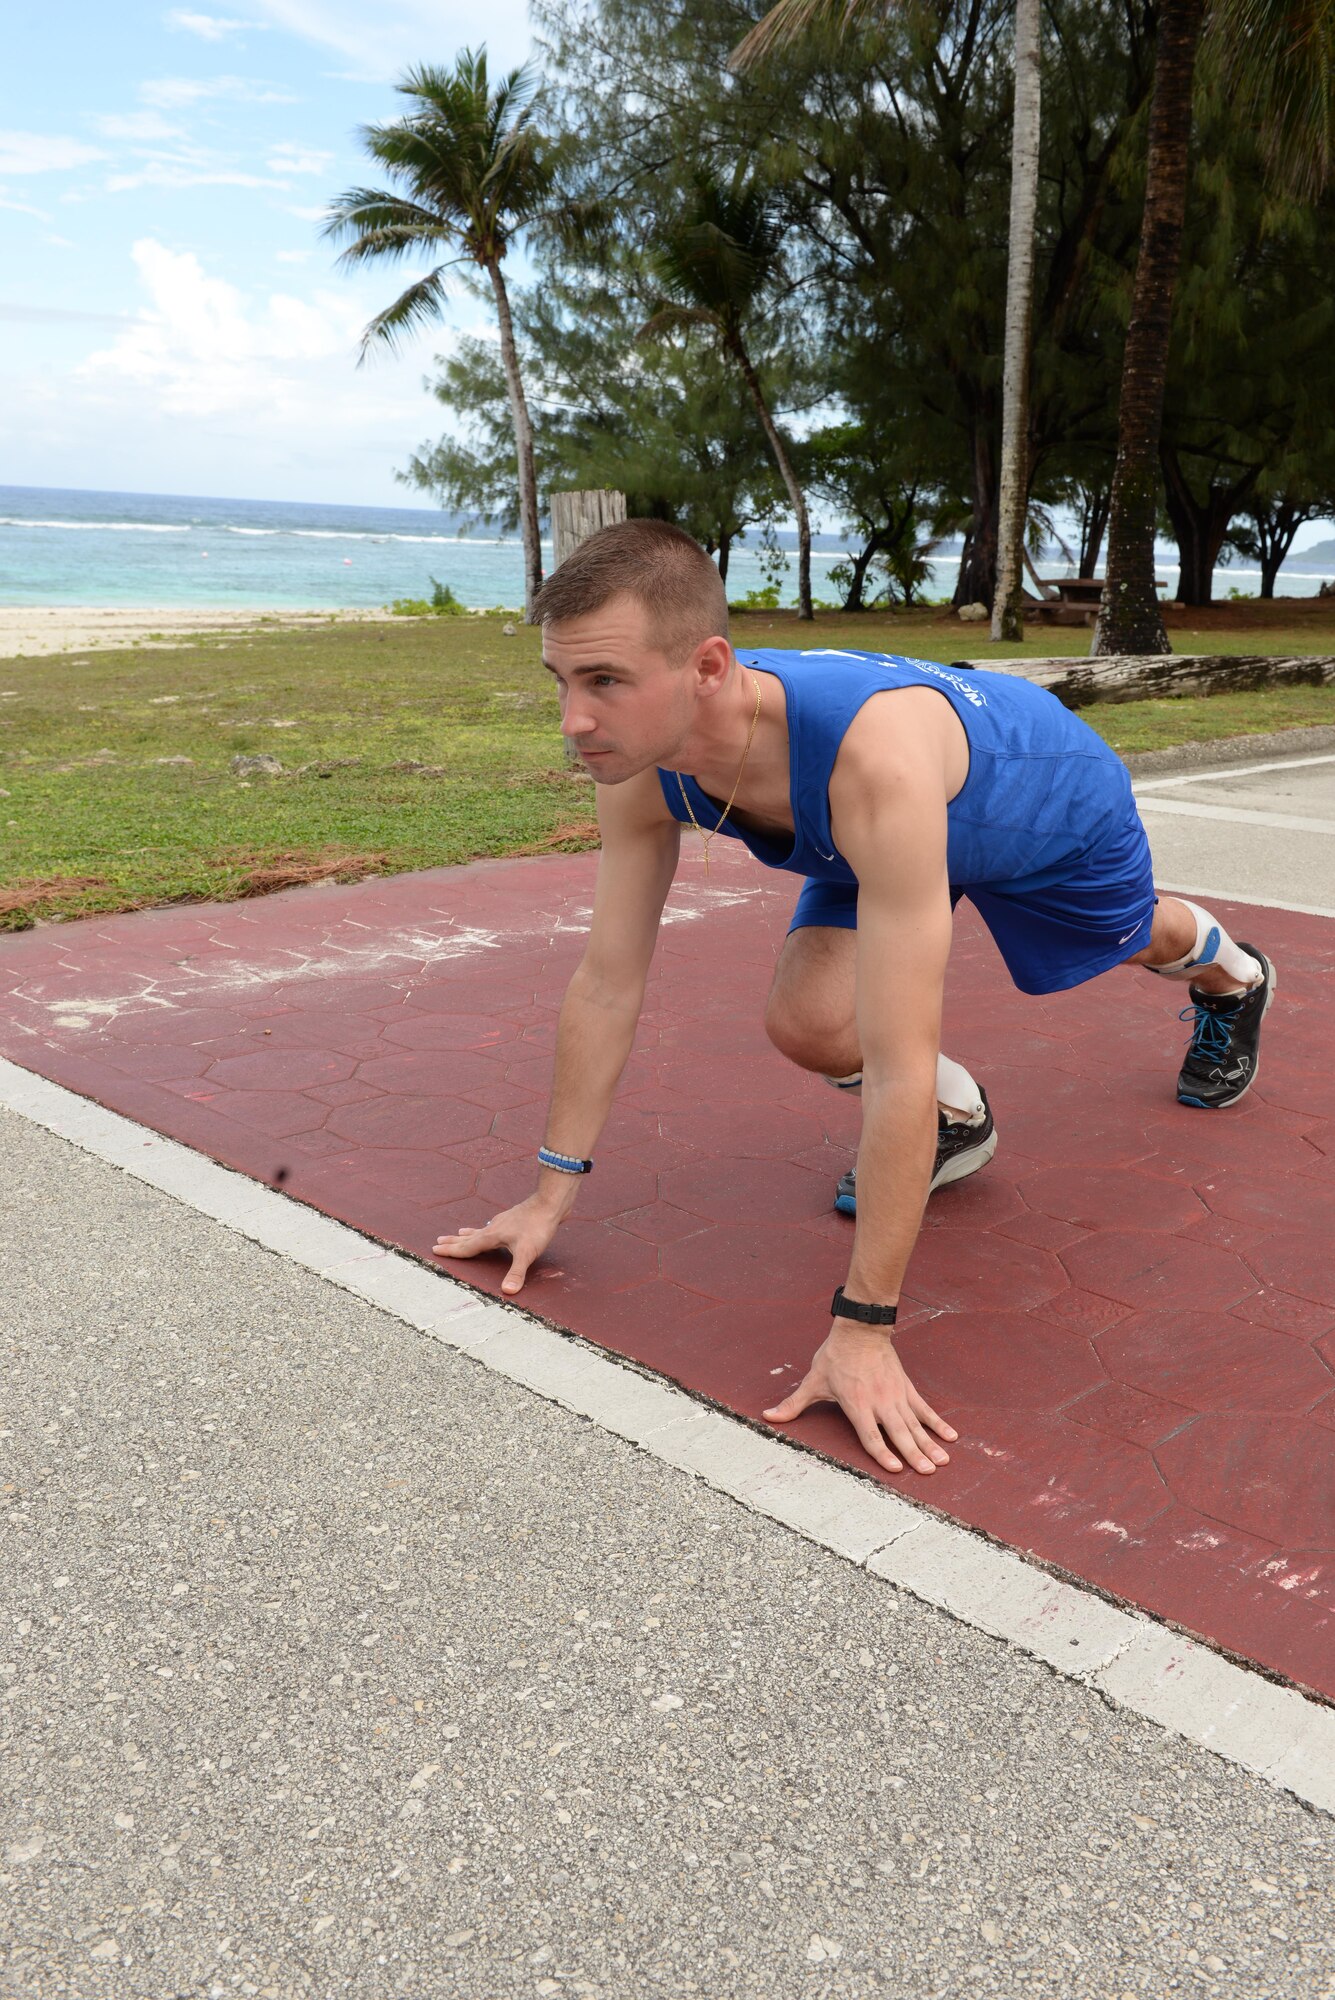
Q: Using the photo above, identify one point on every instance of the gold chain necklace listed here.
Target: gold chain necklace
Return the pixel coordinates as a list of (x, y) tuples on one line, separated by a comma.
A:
[(707, 833)]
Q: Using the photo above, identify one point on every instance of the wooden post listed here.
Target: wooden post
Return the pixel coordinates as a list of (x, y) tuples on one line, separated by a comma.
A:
[(576, 516)]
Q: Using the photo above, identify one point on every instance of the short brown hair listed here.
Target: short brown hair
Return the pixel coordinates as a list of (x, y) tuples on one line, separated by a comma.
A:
[(659, 565)]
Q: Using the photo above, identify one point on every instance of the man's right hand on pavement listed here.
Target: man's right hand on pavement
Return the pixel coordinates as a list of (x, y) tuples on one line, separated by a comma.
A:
[(524, 1231)]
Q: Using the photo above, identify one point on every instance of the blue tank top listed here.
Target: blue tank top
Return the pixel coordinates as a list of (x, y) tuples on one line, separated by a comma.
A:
[(1042, 787)]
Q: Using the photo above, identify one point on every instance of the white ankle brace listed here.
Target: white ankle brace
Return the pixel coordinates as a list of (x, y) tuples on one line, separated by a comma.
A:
[(957, 1093), (1213, 946), (956, 1090)]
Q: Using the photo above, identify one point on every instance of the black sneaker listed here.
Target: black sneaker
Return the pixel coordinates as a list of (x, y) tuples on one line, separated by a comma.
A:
[(960, 1150), (1221, 1061)]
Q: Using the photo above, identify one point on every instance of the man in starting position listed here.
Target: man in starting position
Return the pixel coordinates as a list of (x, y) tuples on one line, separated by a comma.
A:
[(894, 786)]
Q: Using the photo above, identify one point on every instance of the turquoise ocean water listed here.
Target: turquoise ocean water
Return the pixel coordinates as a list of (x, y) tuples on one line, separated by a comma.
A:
[(129, 549)]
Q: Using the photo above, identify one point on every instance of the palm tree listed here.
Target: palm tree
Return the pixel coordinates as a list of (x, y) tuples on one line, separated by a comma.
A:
[(1129, 619), (714, 262), (468, 171), (789, 19), (1276, 58), (1013, 507)]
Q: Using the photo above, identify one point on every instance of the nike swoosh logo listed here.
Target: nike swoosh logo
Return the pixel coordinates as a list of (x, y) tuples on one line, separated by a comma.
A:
[(1129, 935)]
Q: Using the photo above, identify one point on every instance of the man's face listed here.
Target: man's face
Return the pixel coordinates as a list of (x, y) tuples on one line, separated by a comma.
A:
[(625, 705)]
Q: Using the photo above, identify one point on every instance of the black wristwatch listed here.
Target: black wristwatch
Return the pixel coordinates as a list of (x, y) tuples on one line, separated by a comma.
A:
[(843, 1308)]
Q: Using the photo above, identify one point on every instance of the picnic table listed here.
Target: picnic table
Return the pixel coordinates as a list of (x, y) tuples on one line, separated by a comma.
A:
[(1076, 603)]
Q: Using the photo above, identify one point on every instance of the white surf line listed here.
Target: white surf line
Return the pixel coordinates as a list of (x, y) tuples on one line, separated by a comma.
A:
[(1232, 771), (1235, 896), (1289, 822), (1125, 1656)]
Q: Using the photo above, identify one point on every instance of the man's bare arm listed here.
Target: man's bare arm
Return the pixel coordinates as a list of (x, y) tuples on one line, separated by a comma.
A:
[(598, 1015), (888, 801), (904, 929)]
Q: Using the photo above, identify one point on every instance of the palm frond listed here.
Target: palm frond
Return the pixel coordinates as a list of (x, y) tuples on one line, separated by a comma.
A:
[(417, 306), (723, 245), (1277, 61), (516, 97), (675, 319), (396, 224), (789, 20)]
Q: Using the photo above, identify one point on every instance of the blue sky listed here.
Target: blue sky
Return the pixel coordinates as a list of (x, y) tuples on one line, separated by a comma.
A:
[(170, 320)]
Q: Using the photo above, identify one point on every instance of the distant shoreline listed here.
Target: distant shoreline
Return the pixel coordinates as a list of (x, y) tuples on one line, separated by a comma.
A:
[(28, 631)]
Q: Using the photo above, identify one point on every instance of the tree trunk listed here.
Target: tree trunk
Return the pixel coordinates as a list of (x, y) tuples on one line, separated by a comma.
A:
[(786, 473), (853, 600), (1277, 525), (1199, 528), (977, 579), (1093, 525), (1129, 619), (724, 551), (523, 429), (1007, 619)]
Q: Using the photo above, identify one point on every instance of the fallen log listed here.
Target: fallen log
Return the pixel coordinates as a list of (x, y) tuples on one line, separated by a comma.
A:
[(1079, 683)]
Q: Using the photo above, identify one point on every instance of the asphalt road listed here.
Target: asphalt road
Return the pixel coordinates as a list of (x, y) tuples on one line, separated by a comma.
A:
[(337, 1665), (333, 1663)]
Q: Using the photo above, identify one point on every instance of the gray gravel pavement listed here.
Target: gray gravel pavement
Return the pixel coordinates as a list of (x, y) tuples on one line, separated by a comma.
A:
[(334, 1664)]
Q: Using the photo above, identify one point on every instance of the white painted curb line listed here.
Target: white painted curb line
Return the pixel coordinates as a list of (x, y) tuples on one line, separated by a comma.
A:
[(1225, 773), (1252, 902), (1124, 1655)]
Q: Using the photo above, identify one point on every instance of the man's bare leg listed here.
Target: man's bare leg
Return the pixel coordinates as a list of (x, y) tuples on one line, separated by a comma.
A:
[(1172, 941), (811, 1018)]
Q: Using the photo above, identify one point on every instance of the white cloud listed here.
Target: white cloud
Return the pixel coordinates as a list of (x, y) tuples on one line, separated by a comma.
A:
[(42, 153), (316, 214), (201, 348), (209, 27), (22, 207), (217, 388), (291, 256), (398, 32), (59, 315), (183, 174), (142, 125), (175, 93), (291, 158)]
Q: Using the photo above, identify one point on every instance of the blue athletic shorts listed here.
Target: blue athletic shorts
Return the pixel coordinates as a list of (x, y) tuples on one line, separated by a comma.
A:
[(1054, 930)]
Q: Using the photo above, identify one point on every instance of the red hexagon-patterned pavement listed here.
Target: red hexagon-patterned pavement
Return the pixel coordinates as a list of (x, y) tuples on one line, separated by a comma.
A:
[(1130, 1316)]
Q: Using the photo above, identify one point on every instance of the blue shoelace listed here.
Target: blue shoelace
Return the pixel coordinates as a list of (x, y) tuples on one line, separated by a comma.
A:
[(1212, 1036)]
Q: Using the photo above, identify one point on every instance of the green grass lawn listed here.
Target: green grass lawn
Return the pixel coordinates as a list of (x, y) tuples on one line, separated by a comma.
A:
[(408, 744)]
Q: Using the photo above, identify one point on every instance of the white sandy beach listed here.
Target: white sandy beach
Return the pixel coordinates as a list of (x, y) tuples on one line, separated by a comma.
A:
[(27, 631)]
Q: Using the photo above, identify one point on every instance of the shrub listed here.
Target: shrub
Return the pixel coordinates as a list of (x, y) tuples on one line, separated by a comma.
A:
[(442, 604)]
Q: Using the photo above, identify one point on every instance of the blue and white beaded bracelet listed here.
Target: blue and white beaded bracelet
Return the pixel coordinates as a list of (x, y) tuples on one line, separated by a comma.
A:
[(564, 1163)]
